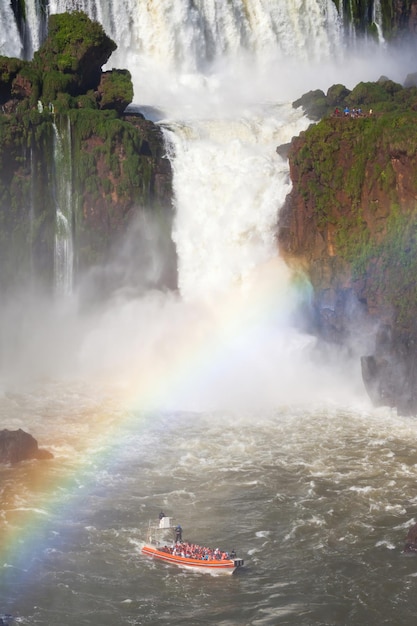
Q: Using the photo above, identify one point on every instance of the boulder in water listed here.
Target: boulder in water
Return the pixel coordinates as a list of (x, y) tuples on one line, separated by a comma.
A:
[(16, 446), (411, 541)]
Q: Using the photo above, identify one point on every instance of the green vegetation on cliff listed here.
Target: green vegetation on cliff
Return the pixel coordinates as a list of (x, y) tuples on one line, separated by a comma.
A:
[(63, 96), (68, 63), (73, 53), (381, 96), (356, 175)]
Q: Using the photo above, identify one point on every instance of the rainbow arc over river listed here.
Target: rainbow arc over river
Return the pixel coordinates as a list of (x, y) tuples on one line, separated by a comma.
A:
[(221, 336)]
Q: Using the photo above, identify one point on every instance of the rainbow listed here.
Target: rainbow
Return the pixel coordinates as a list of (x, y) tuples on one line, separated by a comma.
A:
[(201, 343)]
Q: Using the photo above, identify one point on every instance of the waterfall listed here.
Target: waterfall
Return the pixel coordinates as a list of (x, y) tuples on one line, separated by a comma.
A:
[(10, 43), (218, 77), (205, 60), (64, 198), (229, 182), (198, 32), (192, 34), (377, 20), (35, 26)]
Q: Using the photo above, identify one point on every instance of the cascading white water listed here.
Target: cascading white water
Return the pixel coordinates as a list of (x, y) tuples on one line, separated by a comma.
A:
[(209, 62), (229, 183), (64, 198), (10, 44), (191, 34), (377, 19), (35, 20)]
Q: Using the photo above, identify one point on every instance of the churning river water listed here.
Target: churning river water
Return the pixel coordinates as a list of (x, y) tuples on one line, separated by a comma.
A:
[(317, 501)]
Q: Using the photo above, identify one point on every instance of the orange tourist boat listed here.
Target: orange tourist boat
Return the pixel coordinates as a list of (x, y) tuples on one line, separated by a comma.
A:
[(186, 555)]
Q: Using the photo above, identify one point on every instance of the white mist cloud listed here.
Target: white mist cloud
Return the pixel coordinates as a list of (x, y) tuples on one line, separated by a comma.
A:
[(229, 85), (236, 350)]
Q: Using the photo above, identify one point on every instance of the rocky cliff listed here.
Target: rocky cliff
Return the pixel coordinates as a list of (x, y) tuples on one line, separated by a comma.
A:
[(396, 17), (17, 446), (350, 225), (69, 152)]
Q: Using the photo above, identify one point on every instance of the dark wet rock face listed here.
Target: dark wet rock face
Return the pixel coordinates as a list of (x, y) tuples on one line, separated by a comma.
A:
[(17, 445), (411, 541)]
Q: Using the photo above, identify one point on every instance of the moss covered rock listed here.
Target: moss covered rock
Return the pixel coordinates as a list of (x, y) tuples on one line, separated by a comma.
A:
[(350, 224), (62, 124), (67, 70), (380, 96), (71, 58), (115, 90)]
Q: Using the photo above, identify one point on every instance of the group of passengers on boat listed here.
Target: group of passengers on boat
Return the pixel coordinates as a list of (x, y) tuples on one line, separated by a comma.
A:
[(194, 551)]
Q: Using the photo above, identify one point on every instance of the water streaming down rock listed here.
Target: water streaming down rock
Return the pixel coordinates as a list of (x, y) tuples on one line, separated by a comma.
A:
[(377, 20), (10, 43), (34, 26), (229, 181), (191, 35), (64, 196), (218, 78)]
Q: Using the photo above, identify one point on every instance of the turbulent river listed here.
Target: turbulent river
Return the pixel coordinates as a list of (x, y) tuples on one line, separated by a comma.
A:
[(316, 500), (209, 403)]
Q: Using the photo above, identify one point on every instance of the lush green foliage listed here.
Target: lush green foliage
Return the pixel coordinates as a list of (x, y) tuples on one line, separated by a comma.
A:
[(9, 68), (112, 166), (70, 37), (116, 89), (383, 95), (345, 169)]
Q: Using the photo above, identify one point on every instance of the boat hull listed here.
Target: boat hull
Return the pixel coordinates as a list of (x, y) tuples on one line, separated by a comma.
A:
[(224, 566)]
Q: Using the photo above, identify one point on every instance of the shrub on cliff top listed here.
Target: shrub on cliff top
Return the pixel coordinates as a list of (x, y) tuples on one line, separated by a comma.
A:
[(381, 96), (74, 36), (369, 93), (75, 46), (68, 63), (336, 95), (116, 90)]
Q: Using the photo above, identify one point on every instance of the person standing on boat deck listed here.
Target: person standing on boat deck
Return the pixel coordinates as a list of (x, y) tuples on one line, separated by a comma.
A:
[(161, 515), (178, 533)]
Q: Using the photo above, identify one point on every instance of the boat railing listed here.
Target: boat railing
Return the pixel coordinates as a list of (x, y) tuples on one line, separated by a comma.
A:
[(156, 532)]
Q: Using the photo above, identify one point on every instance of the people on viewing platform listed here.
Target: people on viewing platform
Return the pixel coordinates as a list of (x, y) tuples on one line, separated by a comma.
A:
[(347, 112)]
